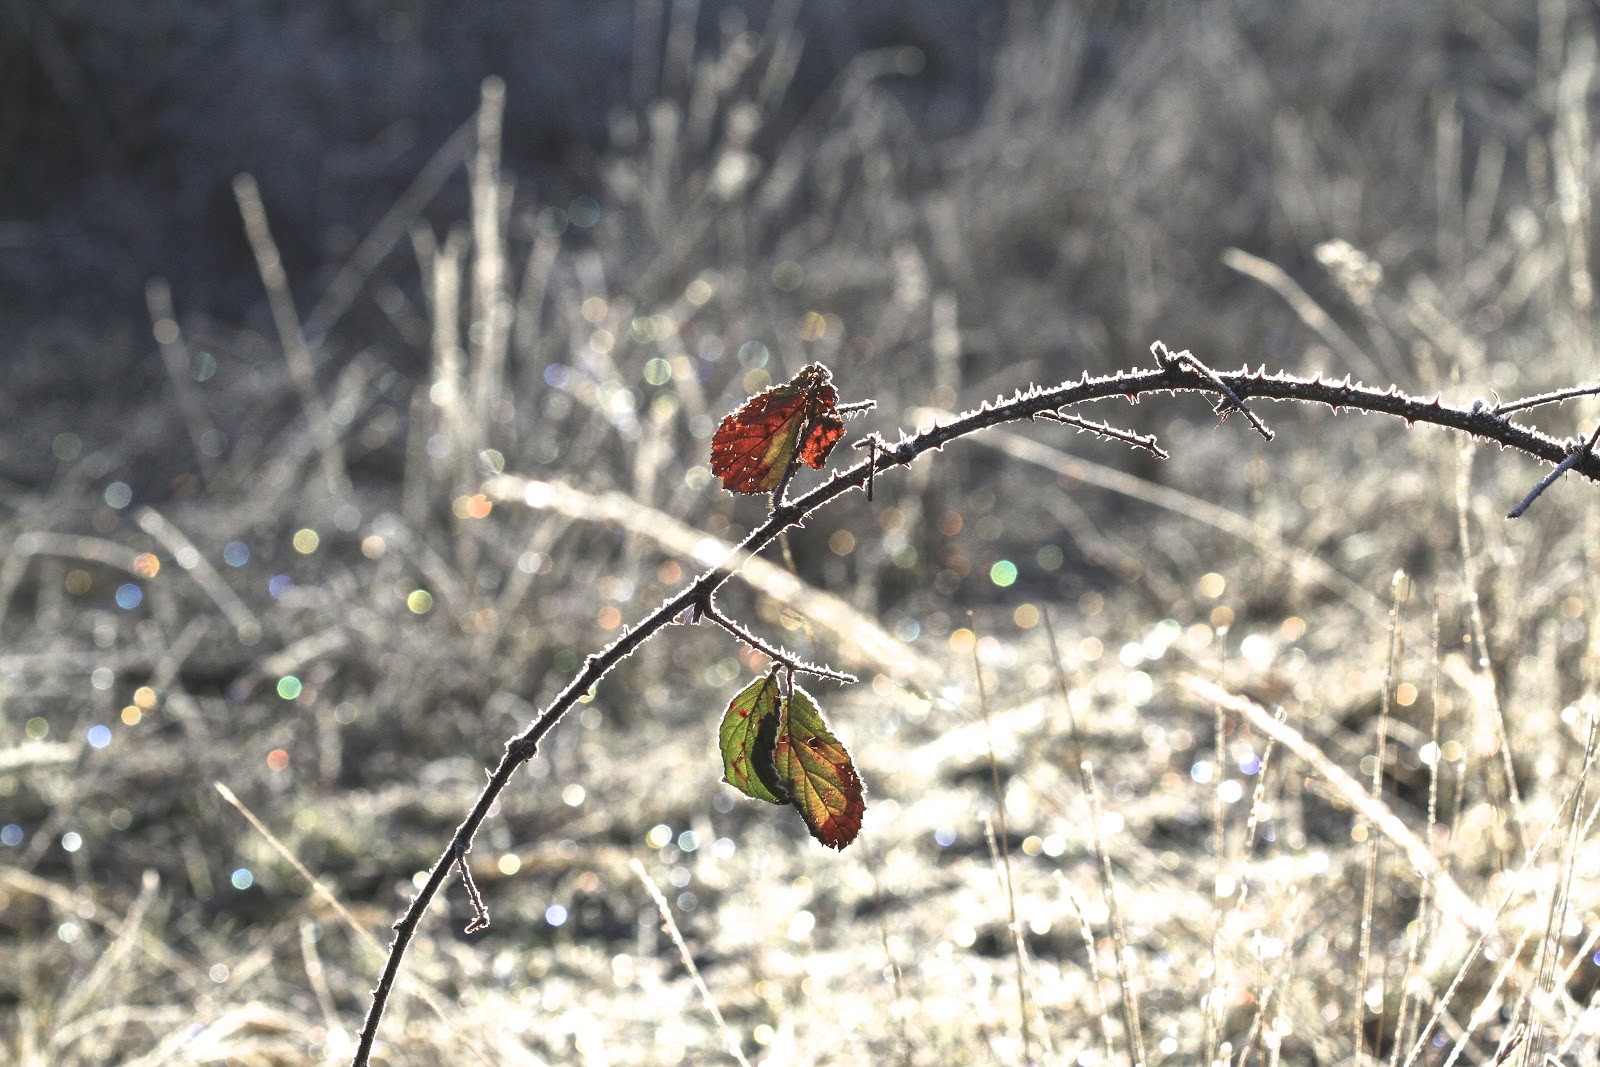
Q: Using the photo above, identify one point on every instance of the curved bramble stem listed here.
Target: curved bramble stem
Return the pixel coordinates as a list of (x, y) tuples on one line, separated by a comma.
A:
[(1174, 374), (1555, 397), (777, 654), (1578, 453), (1106, 430)]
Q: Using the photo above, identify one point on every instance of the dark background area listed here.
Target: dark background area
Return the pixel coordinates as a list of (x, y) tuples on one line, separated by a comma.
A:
[(122, 125)]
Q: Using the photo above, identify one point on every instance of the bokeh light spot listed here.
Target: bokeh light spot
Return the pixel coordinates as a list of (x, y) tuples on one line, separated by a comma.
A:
[(1003, 573), (658, 371), (584, 211)]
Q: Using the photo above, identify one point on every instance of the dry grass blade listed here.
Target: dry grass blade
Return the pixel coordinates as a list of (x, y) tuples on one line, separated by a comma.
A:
[(859, 640), (1211, 1001), (1119, 934), (1488, 691), (1303, 563), (730, 1042), (68, 546), (351, 923), (1004, 857), (1319, 321), (1453, 900), (175, 356), (1369, 887), (1550, 947), (1421, 928), (302, 371), (491, 304), (1092, 954), (115, 959), (194, 562)]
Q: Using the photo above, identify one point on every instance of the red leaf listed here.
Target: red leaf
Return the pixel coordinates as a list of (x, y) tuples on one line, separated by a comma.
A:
[(753, 447), (817, 773)]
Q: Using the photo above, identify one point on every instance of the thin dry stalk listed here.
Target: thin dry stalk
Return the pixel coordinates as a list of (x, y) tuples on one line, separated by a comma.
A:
[(730, 1042), (491, 305), (1101, 1014), (1306, 566), (1585, 951), (1119, 934), (387, 232), (175, 357), (114, 961), (302, 371), (1211, 1002), (858, 638), (67, 546), (1301, 303), (1441, 1009), (1480, 647), (1550, 949), (449, 389), (1369, 889), (193, 561), (1489, 1006), (891, 965), (1005, 854), (1452, 898), (316, 974), (1421, 926), (351, 923)]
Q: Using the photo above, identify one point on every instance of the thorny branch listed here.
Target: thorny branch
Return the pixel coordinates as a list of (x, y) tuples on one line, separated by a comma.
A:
[(779, 656), (1174, 373)]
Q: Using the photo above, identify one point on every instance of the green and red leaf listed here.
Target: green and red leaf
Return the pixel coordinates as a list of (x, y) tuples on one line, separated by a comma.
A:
[(754, 447), (818, 773), (748, 736)]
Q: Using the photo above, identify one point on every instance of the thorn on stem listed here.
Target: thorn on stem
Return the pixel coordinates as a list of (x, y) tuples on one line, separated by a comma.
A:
[(480, 910)]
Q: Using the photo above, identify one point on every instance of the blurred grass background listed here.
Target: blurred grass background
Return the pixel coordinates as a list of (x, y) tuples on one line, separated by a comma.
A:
[(264, 526)]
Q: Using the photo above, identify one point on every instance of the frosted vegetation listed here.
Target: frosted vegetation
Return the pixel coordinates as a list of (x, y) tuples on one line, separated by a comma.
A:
[(1264, 751)]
